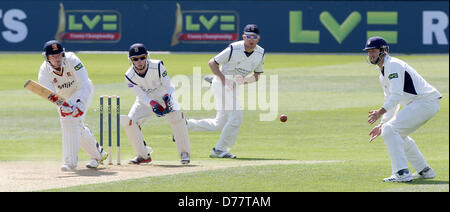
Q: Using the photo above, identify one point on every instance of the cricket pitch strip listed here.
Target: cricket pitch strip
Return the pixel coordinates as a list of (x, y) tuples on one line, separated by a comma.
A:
[(36, 176)]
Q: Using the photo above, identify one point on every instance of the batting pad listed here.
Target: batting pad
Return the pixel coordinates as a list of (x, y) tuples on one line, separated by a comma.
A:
[(71, 136), (180, 131), (135, 136), (89, 144)]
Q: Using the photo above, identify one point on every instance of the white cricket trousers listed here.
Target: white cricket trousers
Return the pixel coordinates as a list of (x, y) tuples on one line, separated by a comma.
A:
[(402, 148), (228, 117)]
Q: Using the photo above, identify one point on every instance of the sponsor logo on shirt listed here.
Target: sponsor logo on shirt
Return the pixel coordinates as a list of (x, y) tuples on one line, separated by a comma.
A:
[(148, 91), (392, 76), (66, 85), (78, 67)]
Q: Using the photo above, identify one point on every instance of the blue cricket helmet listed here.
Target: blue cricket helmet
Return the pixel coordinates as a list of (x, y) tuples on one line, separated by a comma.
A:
[(251, 29), (376, 43), (137, 49)]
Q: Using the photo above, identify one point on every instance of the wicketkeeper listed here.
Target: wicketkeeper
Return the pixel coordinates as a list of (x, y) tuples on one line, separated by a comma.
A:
[(63, 73), (403, 86), (150, 82)]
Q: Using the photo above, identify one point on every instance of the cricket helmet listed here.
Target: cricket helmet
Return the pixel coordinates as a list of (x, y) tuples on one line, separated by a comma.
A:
[(137, 49), (251, 29), (53, 47), (376, 43)]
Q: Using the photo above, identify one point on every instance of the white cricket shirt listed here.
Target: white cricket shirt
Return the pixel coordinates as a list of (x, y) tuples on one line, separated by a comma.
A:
[(153, 85), (402, 85), (234, 61), (72, 83)]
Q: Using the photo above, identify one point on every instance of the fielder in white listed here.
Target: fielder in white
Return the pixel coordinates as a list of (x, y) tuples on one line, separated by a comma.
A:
[(63, 73), (149, 81), (237, 61), (403, 86)]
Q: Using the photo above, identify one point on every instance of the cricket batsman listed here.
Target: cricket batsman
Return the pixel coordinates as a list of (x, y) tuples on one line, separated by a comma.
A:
[(231, 68), (64, 74), (149, 81), (403, 86)]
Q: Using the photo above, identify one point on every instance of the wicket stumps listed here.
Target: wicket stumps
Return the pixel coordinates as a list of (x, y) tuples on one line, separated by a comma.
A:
[(110, 127)]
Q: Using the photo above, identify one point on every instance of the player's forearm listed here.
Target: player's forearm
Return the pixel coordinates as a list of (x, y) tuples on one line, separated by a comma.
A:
[(141, 95), (256, 76), (215, 68), (240, 80), (392, 100), (381, 111), (389, 114)]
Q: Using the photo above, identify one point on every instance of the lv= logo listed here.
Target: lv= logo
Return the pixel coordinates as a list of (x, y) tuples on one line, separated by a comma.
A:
[(205, 26), (88, 26), (340, 31)]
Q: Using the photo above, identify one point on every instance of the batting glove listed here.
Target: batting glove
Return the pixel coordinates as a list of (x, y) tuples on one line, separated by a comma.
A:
[(77, 109), (65, 110)]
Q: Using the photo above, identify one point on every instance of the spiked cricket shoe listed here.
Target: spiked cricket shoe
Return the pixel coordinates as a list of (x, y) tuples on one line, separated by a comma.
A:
[(185, 159), (67, 168), (94, 163), (221, 154), (426, 173), (401, 176), (138, 160)]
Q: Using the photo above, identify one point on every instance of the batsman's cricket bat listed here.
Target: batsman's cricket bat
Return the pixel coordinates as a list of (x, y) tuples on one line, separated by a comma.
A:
[(44, 92)]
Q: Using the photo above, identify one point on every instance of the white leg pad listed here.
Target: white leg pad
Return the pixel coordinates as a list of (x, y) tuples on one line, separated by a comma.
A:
[(135, 136), (89, 144), (71, 136), (180, 132)]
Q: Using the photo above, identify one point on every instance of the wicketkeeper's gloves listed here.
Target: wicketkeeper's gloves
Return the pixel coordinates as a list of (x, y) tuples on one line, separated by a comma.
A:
[(160, 110)]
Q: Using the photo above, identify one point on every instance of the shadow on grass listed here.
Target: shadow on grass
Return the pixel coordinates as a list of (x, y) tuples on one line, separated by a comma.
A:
[(89, 173), (174, 166), (261, 159), (428, 182)]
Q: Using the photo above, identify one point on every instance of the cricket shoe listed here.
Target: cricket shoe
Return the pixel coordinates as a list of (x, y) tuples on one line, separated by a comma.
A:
[(138, 160), (94, 163), (67, 168), (221, 154), (185, 159), (426, 173), (401, 176)]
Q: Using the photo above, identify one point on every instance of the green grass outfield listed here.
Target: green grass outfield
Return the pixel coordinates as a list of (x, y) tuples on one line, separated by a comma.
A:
[(326, 99)]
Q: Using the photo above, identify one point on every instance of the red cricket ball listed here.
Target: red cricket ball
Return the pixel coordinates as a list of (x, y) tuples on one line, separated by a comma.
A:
[(283, 118)]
